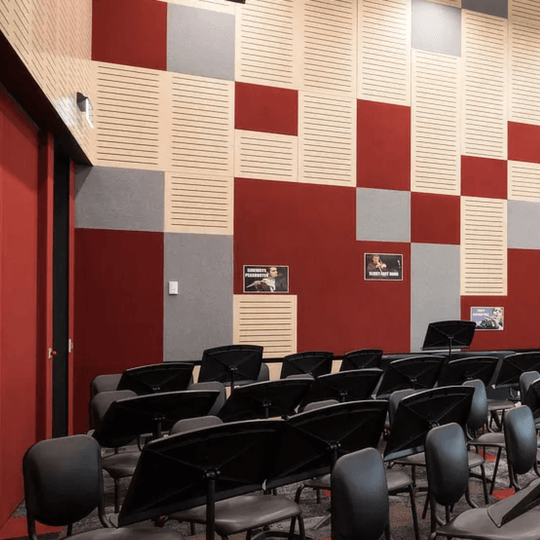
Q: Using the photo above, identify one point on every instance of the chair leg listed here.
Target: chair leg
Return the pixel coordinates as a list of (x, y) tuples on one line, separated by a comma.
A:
[(387, 534), (414, 513), (495, 470), (484, 483), (116, 495)]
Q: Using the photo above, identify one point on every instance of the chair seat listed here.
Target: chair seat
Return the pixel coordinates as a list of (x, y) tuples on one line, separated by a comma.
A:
[(129, 533), (243, 513), (476, 523), (488, 439), (419, 460), (121, 465), (500, 404)]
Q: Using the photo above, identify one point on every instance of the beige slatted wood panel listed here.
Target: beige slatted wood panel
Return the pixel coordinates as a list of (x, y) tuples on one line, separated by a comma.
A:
[(43, 62), (523, 181), (485, 118), (268, 320), (327, 140), (453, 3), (265, 42), (130, 116), (435, 164), (6, 10), (198, 203), (329, 33), (202, 124), (214, 5), (384, 63), (483, 247), (20, 34), (266, 156), (523, 72), (525, 12)]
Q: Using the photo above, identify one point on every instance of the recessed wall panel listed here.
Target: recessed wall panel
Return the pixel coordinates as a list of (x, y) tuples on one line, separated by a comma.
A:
[(435, 287), (524, 224), (200, 316), (498, 8)]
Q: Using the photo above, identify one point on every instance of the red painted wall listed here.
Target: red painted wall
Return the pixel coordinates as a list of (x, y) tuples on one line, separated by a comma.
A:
[(18, 298), (118, 307), (311, 229)]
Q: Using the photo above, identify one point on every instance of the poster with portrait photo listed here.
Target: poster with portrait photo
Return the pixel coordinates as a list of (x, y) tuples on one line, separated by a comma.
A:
[(488, 318), (383, 267), (266, 279)]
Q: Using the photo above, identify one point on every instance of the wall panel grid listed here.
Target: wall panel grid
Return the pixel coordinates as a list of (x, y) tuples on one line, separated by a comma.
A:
[(327, 140), (198, 204), (485, 121), (435, 148), (483, 247), (453, 3), (130, 116), (266, 156), (525, 12), (267, 320), (266, 45), (202, 124), (523, 181), (214, 5), (523, 72), (329, 31), (384, 43)]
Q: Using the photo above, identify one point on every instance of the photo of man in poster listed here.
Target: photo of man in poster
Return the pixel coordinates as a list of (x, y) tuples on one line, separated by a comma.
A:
[(266, 279), (383, 267)]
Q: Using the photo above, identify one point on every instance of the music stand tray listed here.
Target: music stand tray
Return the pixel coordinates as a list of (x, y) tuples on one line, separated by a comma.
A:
[(361, 359), (314, 363), (165, 377), (449, 334), (513, 365), (467, 369)]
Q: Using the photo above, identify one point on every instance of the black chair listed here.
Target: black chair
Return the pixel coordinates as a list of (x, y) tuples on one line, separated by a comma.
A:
[(231, 364), (416, 372), (360, 503), (279, 398), (531, 398), (515, 518), (154, 378), (361, 359), (220, 467), (63, 484), (314, 363), (358, 384), (525, 381), (468, 369)]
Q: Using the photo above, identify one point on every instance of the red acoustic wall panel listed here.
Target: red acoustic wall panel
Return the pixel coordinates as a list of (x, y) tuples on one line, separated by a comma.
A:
[(523, 142), (131, 32), (311, 228), (118, 307), (267, 109), (435, 218), (483, 177), (19, 147), (384, 146)]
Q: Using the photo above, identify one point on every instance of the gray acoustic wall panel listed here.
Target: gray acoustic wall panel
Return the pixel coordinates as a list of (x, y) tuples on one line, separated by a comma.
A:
[(498, 8), (435, 288), (200, 316), (200, 42), (122, 199), (383, 215), (436, 28), (523, 225)]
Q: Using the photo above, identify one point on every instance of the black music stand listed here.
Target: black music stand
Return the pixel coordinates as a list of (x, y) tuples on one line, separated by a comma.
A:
[(467, 369), (152, 413), (231, 364), (267, 399), (357, 384), (361, 359), (513, 365), (418, 413), (448, 334), (154, 378), (416, 372), (314, 363)]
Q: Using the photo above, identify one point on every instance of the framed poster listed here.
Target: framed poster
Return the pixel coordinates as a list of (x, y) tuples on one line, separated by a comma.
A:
[(267, 278), (488, 318), (383, 267)]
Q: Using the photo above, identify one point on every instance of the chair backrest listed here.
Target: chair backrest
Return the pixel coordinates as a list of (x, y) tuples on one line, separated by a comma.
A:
[(521, 441), (361, 358), (394, 401), (478, 415), (313, 363), (200, 422), (525, 380), (314, 405), (532, 399), (104, 383), (164, 377), (360, 503), (447, 463), (63, 481)]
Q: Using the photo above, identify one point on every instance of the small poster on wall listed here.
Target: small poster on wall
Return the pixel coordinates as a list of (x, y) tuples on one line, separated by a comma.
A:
[(267, 278), (488, 318), (383, 267)]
